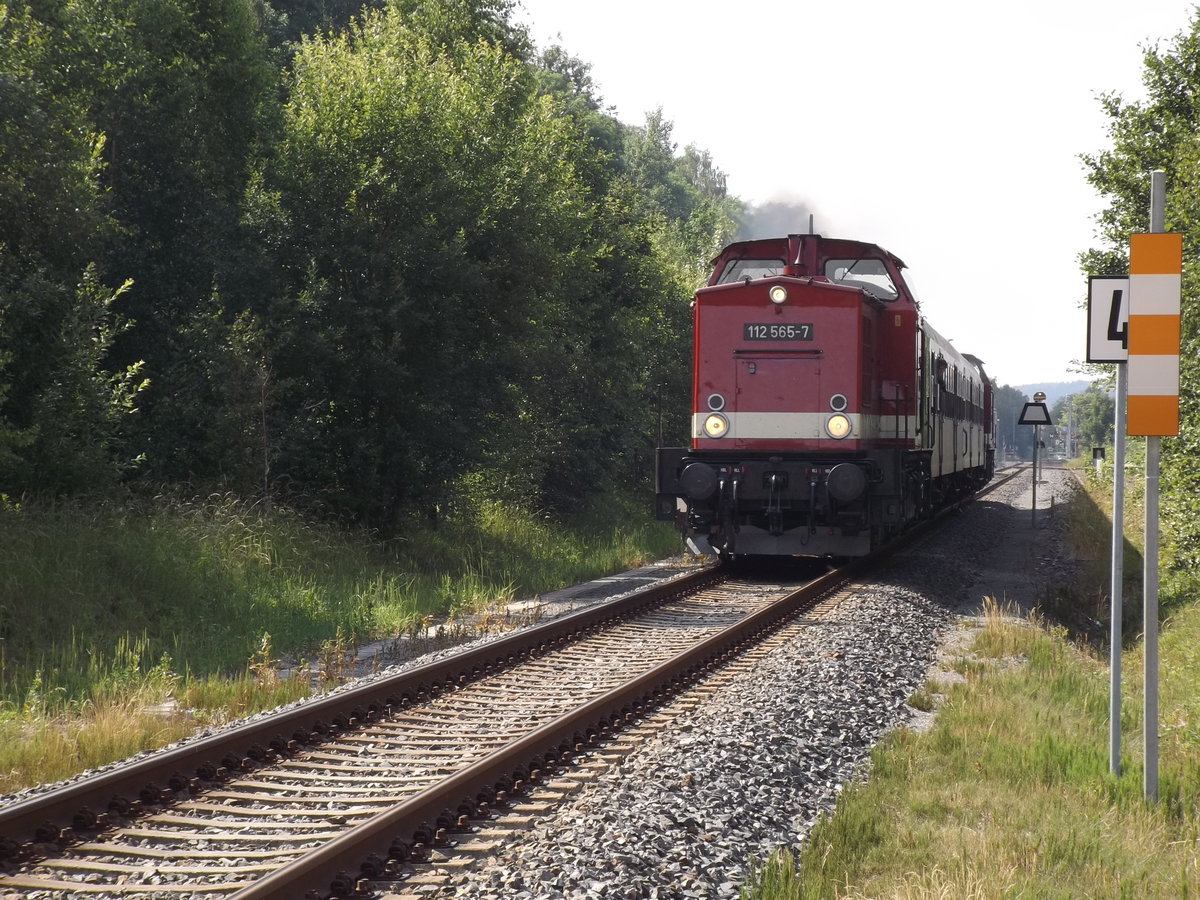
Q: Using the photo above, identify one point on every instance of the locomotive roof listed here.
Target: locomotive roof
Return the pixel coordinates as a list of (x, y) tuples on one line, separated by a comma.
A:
[(839, 260), (830, 247)]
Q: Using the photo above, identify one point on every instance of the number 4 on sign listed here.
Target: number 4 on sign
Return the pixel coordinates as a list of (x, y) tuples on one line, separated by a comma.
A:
[(1118, 319), (1108, 318)]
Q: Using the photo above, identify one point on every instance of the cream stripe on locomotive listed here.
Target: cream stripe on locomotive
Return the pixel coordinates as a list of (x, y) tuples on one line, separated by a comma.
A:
[(806, 426)]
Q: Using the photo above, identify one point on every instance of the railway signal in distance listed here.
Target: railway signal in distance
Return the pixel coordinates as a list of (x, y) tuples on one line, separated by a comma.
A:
[(1034, 414)]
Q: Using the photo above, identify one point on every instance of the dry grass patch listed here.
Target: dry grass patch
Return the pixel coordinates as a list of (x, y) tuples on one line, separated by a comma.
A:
[(44, 750)]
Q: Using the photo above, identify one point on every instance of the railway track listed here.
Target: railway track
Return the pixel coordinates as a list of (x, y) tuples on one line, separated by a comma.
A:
[(325, 798)]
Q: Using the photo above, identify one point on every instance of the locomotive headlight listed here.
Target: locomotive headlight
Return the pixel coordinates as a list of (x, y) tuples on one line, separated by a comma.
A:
[(838, 426), (778, 294), (716, 425)]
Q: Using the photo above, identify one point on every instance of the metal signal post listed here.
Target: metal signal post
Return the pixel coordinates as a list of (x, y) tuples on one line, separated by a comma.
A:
[(1155, 270), (1037, 415), (1117, 586), (1108, 342)]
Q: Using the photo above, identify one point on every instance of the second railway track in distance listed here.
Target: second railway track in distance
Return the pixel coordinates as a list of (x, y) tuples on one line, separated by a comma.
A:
[(327, 797)]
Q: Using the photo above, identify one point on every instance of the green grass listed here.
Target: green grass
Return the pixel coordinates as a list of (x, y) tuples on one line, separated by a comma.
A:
[(1009, 793), (124, 627)]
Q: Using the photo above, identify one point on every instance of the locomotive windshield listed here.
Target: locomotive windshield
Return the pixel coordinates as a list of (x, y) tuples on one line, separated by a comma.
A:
[(743, 269), (869, 274)]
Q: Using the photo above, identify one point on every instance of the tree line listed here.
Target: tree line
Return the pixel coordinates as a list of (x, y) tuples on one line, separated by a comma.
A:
[(371, 256)]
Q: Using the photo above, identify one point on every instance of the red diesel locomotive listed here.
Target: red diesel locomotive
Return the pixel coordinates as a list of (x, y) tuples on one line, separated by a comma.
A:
[(826, 413)]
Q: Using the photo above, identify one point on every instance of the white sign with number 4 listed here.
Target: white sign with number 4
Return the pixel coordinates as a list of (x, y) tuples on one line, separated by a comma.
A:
[(1108, 318)]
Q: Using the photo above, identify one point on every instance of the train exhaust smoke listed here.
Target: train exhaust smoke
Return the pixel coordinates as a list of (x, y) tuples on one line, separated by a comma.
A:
[(778, 217)]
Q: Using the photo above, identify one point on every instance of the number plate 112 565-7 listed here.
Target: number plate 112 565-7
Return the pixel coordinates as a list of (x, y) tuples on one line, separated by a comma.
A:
[(777, 331)]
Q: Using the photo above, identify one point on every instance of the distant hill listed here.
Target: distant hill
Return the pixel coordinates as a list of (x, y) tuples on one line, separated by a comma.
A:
[(1053, 390)]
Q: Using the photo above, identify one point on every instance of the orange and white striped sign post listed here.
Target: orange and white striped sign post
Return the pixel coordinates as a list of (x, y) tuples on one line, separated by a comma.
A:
[(1155, 276), (1155, 281)]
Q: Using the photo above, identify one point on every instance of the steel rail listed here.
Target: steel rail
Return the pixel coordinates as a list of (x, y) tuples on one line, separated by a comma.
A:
[(336, 862), (57, 815)]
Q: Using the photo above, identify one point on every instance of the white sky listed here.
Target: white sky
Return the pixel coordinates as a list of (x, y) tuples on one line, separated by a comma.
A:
[(947, 131)]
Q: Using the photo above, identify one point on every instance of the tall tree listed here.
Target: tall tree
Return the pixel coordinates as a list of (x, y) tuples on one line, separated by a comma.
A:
[(179, 90), (1163, 131), (569, 81), (430, 209), (650, 162), (61, 412)]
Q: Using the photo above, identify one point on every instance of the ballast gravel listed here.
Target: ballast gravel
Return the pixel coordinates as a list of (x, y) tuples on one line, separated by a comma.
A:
[(687, 813)]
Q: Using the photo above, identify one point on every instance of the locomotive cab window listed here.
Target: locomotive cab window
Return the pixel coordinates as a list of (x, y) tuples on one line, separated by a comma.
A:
[(743, 269), (869, 274)]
